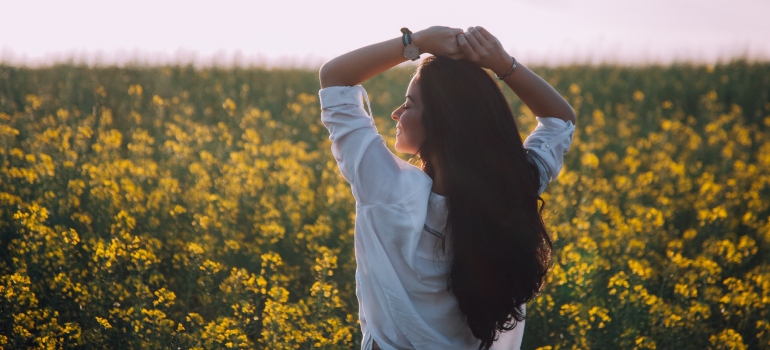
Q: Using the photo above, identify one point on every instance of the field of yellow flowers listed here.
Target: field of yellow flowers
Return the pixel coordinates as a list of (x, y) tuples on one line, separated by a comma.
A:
[(175, 207)]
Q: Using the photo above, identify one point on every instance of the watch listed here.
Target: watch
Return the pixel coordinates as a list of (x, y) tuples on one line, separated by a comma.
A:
[(411, 51)]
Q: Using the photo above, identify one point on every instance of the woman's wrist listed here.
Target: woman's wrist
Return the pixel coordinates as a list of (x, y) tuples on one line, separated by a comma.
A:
[(439, 41), (420, 39), (503, 66)]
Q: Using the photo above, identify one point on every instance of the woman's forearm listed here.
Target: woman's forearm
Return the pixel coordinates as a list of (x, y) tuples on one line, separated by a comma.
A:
[(539, 96), (483, 48), (357, 66)]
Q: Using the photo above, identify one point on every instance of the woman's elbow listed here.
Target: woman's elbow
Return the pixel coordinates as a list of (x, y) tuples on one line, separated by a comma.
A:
[(571, 116), (323, 75), (326, 75), (567, 113)]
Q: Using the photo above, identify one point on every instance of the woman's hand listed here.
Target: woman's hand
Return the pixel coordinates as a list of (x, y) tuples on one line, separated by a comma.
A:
[(439, 41), (482, 48)]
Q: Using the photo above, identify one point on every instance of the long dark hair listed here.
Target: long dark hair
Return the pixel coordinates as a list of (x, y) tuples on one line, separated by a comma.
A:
[(495, 232)]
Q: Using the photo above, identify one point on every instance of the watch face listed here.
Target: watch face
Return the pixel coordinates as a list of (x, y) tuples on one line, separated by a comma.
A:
[(411, 51)]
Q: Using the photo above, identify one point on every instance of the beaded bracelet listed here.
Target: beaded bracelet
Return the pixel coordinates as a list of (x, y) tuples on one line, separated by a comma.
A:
[(510, 71)]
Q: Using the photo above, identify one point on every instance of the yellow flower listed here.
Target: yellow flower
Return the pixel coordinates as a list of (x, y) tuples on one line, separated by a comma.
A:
[(590, 160), (103, 322)]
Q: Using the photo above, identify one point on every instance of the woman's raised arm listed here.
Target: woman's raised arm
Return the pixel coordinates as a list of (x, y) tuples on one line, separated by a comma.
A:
[(482, 48), (357, 66)]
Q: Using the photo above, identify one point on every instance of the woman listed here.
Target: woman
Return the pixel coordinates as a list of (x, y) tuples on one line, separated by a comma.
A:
[(449, 253)]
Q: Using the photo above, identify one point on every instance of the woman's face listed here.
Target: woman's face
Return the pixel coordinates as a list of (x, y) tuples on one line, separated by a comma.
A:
[(409, 130)]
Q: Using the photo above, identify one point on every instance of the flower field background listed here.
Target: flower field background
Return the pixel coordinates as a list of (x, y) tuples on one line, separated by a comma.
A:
[(173, 207)]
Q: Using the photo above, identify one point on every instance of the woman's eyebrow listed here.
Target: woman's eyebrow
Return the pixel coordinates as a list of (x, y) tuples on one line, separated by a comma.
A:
[(409, 98)]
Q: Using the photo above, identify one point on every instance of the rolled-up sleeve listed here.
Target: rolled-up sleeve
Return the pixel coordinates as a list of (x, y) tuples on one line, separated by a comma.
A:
[(343, 110), (375, 174), (547, 145)]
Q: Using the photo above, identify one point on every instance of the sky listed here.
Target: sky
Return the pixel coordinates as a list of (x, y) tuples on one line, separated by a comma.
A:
[(306, 33)]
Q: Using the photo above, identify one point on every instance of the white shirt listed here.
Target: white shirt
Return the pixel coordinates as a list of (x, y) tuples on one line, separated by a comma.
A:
[(401, 274)]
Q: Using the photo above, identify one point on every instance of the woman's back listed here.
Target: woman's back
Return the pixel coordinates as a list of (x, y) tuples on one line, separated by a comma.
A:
[(401, 255), (430, 295)]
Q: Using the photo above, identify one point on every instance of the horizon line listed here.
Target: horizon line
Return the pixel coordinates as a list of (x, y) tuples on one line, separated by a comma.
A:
[(237, 59)]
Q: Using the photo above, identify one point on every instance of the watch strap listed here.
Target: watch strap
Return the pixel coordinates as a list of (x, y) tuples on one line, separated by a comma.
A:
[(406, 38)]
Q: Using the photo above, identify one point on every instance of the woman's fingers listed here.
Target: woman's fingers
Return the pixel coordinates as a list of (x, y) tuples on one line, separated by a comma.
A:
[(485, 33), (483, 49), (488, 52), (487, 47), (474, 43), (476, 33), (467, 49)]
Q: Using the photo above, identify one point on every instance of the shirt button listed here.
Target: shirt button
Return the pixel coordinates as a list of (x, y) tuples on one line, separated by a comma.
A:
[(547, 145)]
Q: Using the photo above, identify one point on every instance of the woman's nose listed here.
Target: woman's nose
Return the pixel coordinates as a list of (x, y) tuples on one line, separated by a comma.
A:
[(397, 113)]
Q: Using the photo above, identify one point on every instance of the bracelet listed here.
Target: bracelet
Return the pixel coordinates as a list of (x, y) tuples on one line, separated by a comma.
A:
[(510, 71)]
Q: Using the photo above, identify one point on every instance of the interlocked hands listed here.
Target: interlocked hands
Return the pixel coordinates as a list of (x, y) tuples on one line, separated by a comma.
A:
[(474, 45)]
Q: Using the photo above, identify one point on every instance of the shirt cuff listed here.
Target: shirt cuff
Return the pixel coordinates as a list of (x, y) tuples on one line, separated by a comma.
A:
[(341, 95), (554, 123), (561, 129)]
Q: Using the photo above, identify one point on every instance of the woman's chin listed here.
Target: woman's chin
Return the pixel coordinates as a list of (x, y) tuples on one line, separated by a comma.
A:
[(399, 147)]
